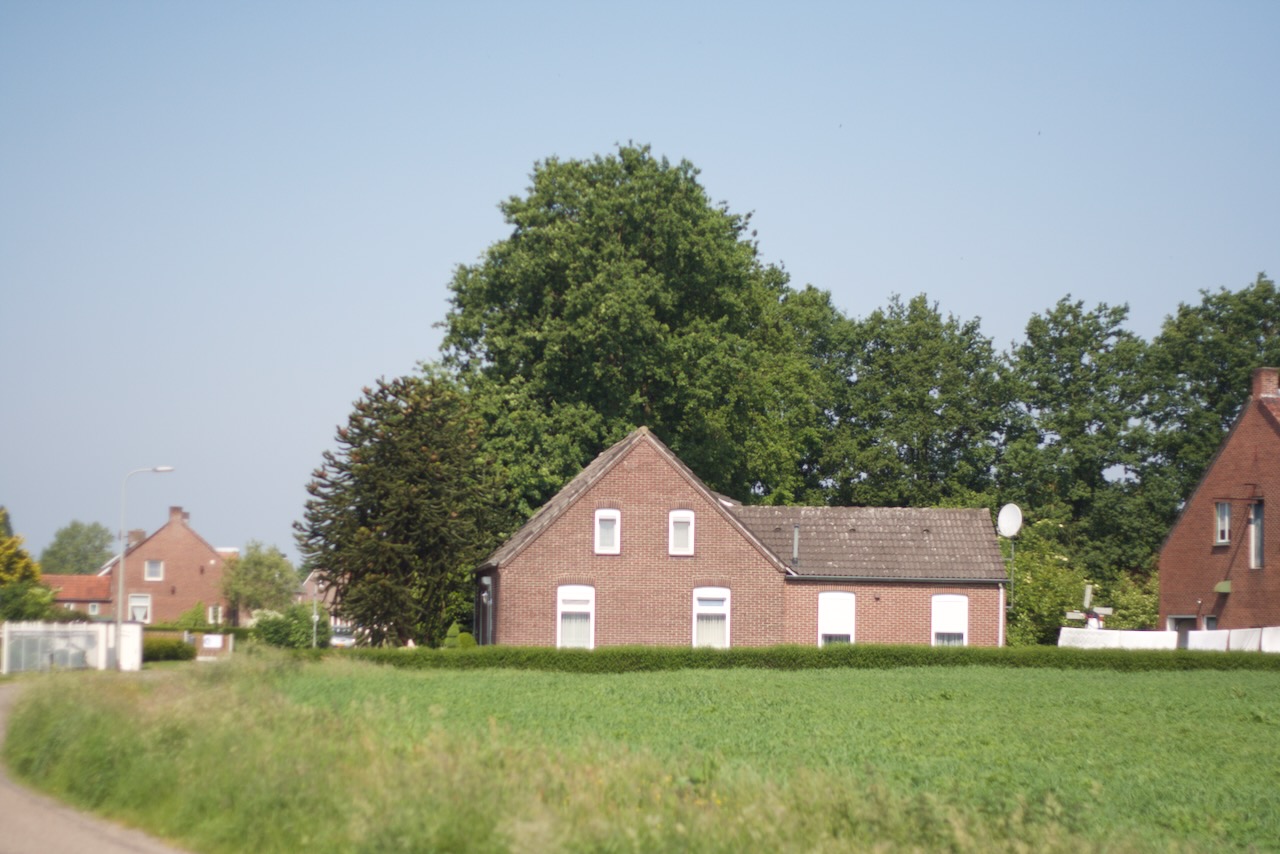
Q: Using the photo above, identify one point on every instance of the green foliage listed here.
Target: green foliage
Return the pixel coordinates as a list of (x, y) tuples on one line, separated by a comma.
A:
[(194, 618), (1078, 442), (735, 760), (404, 510), (466, 640), (259, 577), (15, 564), (649, 659), (167, 649), (1202, 362), (27, 600), (451, 637), (624, 297), (292, 629), (920, 411), (77, 549)]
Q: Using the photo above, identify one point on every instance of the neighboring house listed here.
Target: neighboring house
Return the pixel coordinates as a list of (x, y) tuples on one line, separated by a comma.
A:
[(88, 594), (1220, 564), (169, 573), (637, 550)]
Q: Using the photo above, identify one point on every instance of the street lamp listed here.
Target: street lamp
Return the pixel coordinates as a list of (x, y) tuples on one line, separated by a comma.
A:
[(124, 547)]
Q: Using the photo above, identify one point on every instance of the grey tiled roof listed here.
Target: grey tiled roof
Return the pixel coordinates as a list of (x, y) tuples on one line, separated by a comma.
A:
[(897, 543)]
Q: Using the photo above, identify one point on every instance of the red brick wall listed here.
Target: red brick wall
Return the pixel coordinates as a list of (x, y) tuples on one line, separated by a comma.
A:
[(645, 596), (892, 612), (1247, 467), (192, 571)]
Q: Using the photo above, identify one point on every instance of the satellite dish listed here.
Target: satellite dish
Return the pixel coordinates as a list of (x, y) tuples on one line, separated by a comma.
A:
[(1009, 522)]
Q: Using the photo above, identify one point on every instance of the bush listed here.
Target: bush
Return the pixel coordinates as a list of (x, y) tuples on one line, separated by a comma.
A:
[(167, 649), (292, 629), (634, 659)]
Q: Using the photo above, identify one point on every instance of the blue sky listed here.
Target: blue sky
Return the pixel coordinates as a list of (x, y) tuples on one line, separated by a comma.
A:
[(219, 221)]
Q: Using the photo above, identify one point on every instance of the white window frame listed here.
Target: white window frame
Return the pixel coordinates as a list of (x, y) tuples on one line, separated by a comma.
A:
[(147, 571), (1256, 556), (213, 615), (709, 602), (1222, 520), (837, 615), (616, 516), (93, 609), (140, 600), (673, 518), (949, 615), (576, 599)]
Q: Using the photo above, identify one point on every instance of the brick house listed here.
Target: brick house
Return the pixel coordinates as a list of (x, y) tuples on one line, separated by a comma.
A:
[(169, 573), (637, 550), (1213, 564), (88, 594)]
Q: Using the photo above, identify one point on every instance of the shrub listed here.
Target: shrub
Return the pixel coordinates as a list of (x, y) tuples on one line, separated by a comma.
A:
[(167, 649), (293, 628), (635, 659)]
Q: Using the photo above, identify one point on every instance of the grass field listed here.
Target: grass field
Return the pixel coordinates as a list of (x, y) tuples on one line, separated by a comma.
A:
[(270, 755)]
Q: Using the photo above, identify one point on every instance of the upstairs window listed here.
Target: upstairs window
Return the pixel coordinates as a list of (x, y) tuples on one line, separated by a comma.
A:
[(576, 616), (950, 620), (680, 532), (1222, 512), (711, 617), (608, 532), (835, 617), (154, 570), (1255, 535)]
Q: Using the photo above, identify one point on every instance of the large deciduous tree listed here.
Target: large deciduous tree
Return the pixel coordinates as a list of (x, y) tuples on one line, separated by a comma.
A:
[(1076, 449), (77, 549), (259, 577), (920, 410), (624, 297), (1201, 365), (402, 512)]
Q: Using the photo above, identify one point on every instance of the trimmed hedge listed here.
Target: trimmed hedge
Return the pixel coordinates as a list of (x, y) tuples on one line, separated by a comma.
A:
[(633, 659), (167, 649)]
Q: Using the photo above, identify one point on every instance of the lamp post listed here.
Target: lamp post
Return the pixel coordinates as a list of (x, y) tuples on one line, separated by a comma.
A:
[(124, 548)]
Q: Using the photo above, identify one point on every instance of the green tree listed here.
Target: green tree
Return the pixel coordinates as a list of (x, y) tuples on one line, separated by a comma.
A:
[(260, 577), (404, 510), (16, 564), (77, 549), (294, 628), (1202, 363), (1077, 445), (1046, 583), (29, 600), (623, 296), (920, 412)]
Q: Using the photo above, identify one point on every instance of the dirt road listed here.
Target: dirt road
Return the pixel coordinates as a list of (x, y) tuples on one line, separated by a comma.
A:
[(31, 823)]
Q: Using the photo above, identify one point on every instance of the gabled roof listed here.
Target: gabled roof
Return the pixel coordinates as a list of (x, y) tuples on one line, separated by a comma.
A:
[(78, 588), (597, 469), (889, 543)]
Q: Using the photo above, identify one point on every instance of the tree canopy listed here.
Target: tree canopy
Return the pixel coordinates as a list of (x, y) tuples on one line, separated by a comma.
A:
[(624, 297), (77, 549), (405, 508), (259, 577)]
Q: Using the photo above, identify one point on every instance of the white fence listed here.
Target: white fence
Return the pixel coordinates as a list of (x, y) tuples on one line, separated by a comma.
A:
[(68, 646), (1221, 640)]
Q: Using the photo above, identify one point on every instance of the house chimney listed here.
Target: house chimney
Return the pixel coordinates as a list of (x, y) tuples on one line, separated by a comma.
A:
[(136, 536), (176, 515), (1266, 382)]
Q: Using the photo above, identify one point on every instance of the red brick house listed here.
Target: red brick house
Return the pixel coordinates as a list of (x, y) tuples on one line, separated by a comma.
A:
[(637, 550), (170, 572), (88, 594), (1218, 566)]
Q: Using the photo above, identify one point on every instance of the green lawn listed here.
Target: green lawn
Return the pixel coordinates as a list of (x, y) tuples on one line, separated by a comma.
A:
[(345, 756)]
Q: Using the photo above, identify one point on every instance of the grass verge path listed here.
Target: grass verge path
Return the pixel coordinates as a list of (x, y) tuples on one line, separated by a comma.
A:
[(31, 823)]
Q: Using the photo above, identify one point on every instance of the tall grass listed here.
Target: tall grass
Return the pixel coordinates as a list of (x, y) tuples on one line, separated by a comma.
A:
[(268, 754)]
